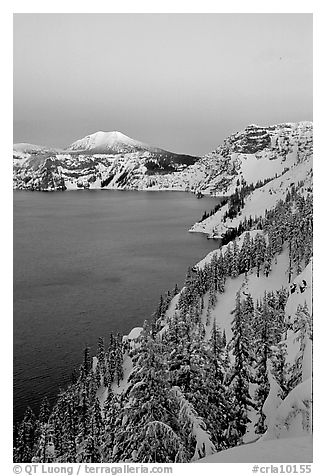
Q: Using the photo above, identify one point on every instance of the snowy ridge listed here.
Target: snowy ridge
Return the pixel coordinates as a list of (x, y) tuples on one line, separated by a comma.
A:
[(258, 201), (115, 161), (120, 166)]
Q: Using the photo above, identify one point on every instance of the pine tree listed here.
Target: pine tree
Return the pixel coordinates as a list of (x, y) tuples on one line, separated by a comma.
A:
[(118, 365), (260, 249), (240, 376), (216, 347), (278, 365), (24, 445), (228, 258), (112, 411), (176, 290), (87, 359), (217, 409), (101, 354), (235, 260), (157, 316), (245, 254), (248, 312), (91, 447), (303, 332), (194, 430), (263, 352), (98, 375), (44, 410), (212, 298), (44, 450), (219, 274), (224, 338), (268, 261), (149, 432)]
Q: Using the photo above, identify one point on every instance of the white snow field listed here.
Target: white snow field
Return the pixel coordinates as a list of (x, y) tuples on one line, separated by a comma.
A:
[(285, 450)]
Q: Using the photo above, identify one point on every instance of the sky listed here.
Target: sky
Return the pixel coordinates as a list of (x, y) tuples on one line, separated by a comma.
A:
[(183, 82)]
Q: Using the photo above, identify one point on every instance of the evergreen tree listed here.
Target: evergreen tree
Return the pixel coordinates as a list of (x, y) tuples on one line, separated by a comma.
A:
[(235, 260), (157, 316), (248, 312), (87, 359), (228, 258), (91, 448), (260, 250), (44, 410), (303, 332), (193, 427), (24, 445), (118, 364), (268, 261), (278, 362), (224, 338), (176, 290), (240, 376), (101, 358), (263, 352), (149, 426), (245, 254), (217, 409)]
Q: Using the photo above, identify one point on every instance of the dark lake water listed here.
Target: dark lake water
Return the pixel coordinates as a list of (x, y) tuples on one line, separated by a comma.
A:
[(87, 263)]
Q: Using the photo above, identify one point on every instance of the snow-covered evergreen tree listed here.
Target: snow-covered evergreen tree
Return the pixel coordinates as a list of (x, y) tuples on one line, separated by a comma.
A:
[(260, 251), (148, 427), (302, 328), (241, 375), (245, 254), (25, 440)]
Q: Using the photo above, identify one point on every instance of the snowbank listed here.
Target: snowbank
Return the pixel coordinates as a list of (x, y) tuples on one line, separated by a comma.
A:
[(133, 334), (290, 450)]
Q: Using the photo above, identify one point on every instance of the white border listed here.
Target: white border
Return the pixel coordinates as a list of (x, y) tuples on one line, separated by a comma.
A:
[(168, 6)]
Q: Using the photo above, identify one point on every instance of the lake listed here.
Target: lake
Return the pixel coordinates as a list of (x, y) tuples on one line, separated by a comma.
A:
[(87, 263)]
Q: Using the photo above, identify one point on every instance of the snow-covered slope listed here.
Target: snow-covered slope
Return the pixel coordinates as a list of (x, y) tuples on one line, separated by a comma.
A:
[(291, 450), (289, 166), (288, 437)]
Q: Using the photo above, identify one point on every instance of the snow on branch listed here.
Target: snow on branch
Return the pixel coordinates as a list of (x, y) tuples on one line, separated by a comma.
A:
[(204, 444)]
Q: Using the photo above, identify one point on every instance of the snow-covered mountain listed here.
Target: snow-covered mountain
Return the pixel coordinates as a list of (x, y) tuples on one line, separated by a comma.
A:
[(253, 154), (115, 161), (110, 143), (100, 160)]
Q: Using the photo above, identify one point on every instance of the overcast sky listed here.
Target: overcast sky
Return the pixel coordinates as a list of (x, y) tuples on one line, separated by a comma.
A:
[(178, 81)]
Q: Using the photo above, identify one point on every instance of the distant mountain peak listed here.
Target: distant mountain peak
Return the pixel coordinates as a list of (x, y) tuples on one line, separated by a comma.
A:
[(112, 142)]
